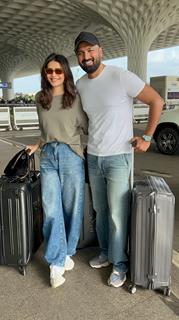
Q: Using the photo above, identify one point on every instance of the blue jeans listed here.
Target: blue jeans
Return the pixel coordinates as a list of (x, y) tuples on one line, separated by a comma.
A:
[(63, 185), (110, 185)]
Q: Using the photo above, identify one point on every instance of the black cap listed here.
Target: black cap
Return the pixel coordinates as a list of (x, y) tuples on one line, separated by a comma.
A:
[(86, 37)]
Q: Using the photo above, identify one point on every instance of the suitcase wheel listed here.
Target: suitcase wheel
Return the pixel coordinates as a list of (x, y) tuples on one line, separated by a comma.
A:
[(22, 270), (132, 288), (167, 291)]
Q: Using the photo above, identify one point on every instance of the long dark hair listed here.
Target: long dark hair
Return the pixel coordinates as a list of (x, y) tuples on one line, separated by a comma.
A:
[(45, 97)]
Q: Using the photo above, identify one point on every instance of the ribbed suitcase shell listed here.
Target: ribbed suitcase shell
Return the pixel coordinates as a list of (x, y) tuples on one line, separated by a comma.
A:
[(151, 240), (20, 222)]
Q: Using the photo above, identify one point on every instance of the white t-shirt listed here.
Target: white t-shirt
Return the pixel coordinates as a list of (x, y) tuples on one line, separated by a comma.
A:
[(107, 100)]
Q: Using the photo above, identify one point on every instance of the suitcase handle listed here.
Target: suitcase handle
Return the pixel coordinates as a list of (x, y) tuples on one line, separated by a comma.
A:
[(153, 231)]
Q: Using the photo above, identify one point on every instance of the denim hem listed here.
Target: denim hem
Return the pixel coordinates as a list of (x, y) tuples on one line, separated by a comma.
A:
[(121, 268)]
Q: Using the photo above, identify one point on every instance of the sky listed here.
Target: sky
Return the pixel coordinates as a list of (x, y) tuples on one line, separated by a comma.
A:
[(160, 62)]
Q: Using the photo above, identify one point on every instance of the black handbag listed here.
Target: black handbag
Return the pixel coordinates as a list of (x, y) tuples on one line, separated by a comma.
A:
[(19, 166)]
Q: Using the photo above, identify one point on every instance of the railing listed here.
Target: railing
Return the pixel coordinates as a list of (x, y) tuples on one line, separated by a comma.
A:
[(5, 118), (171, 104), (25, 117), (140, 112), (18, 116)]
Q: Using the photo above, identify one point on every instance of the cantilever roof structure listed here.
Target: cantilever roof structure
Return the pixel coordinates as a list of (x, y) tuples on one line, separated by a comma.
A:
[(30, 30)]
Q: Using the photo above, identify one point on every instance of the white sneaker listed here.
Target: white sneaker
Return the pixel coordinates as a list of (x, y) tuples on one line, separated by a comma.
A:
[(117, 279), (69, 263), (56, 276)]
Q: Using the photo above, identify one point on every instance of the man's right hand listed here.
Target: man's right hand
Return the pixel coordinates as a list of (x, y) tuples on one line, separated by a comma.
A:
[(139, 144)]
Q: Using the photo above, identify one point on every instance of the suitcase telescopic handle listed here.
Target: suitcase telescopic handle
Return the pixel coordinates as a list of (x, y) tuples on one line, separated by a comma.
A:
[(153, 237), (132, 170)]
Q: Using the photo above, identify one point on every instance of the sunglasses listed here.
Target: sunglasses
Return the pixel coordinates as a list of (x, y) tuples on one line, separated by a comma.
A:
[(57, 71)]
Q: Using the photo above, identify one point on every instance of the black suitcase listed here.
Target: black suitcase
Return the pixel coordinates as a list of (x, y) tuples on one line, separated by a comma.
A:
[(21, 220), (88, 235), (152, 223)]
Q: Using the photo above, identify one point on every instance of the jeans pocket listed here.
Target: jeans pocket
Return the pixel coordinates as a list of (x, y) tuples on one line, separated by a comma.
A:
[(122, 160), (128, 159), (47, 160), (45, 152)]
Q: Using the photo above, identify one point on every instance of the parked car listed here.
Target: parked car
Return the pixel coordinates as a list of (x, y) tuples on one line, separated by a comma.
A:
[(166, 134)]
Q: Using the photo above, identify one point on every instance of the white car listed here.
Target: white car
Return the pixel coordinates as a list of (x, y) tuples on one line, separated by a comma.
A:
[(166, 134)]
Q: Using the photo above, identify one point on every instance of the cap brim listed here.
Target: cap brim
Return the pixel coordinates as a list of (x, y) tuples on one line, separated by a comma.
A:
[(77, 45)]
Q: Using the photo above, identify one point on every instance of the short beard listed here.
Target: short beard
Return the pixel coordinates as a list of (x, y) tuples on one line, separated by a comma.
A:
[(91, 69)]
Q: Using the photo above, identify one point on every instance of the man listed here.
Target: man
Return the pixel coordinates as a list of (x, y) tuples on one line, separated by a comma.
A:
[(107, 94)]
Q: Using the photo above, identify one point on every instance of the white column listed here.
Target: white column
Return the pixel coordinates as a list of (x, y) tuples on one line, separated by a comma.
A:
[(137, 62), (137, 57), (8, 93)]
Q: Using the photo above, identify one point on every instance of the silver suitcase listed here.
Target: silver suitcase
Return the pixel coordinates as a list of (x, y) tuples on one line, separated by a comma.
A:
[(151, 239)]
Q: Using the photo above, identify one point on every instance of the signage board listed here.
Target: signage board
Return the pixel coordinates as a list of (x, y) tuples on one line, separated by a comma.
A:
[(5, 85)]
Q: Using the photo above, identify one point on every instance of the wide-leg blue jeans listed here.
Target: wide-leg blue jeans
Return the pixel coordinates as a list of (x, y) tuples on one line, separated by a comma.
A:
[(63, 185), (110, 185)]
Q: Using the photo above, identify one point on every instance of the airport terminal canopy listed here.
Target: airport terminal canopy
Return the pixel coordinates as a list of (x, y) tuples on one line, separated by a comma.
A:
[(30, 30)]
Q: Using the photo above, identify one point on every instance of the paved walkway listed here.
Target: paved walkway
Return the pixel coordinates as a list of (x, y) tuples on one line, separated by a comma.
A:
[(85, 294)]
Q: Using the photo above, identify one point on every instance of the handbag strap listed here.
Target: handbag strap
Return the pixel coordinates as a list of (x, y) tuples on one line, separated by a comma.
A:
[(31, 163)]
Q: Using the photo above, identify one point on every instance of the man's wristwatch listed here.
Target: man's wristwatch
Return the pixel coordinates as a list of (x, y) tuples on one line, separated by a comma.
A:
[(147, 138)]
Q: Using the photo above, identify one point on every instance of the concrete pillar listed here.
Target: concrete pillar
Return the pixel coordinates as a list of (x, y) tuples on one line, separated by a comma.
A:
[(8, 93), (137, 62), (137, 57)]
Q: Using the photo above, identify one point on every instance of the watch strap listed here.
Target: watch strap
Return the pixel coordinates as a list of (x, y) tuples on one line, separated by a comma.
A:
[(147, 138)]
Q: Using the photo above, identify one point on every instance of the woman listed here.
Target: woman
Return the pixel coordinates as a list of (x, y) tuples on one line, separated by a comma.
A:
[(62, 122)]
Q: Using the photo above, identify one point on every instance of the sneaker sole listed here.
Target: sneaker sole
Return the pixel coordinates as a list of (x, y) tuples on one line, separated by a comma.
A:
[(105, 264), (116, 286), (53, 285), (69, 267)]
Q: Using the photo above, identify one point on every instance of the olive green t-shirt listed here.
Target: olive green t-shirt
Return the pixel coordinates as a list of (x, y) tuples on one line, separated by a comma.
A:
[(63, 125)]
